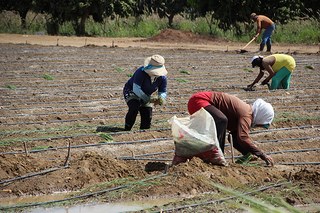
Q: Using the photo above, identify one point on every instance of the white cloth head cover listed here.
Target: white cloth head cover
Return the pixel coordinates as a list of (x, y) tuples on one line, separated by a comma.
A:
[(154, 66), (263, 112)]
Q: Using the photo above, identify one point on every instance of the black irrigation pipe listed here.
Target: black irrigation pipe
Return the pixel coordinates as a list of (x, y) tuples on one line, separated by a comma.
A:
[(79, 196), (299, 163), (33, 174), (286, 139), (141, 157), (89, 145), (223, 199), (285, 129), (139, 141)]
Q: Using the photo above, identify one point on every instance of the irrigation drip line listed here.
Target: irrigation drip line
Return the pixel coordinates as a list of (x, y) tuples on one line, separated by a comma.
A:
[(141, 157), (223, 199), (89, 145), (33, 174), (300, 163), (286, 139), (80, 196), (284, 129)]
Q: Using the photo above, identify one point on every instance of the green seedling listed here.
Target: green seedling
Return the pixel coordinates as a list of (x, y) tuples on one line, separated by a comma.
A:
[(119, 69), (247, 70), (105, 136), (310, 67), (47, 77), (182, 80), (130, 75), (185, 72), (13, 87)]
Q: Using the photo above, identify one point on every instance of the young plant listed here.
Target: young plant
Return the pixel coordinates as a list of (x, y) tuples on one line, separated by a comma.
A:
[(13, 87), (47, 77)]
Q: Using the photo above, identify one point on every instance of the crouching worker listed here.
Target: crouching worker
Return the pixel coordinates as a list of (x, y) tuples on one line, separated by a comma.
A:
[(138, 90), (231, 113), (279, 67)]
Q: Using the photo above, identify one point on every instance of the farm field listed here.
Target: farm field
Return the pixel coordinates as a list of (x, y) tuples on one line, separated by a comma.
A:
[(62, 118)]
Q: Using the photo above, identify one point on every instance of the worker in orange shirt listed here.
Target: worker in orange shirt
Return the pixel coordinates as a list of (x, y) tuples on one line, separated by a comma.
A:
[(263, 22)]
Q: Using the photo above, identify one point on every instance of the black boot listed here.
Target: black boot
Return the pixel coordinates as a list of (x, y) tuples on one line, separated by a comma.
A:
[(146, 117)]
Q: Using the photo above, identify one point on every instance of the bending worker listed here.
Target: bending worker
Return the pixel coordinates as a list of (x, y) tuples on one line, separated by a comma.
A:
[(138, 90), (279, 67), (263, 22), (231, 113)]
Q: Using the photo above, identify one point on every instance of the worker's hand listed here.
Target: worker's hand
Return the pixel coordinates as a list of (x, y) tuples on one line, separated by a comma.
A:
[(268, 159), (158, 101), (249, 88)]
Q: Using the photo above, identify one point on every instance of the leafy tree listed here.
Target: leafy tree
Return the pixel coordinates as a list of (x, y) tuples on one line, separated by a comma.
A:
[(168, 8), (311, 8), (22, 7)]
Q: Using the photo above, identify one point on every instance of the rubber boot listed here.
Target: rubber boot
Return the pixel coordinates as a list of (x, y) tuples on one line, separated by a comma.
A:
[(146, 117)]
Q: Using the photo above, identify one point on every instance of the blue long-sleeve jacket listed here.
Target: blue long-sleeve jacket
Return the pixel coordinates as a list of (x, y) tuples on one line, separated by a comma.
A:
[(143, 86)]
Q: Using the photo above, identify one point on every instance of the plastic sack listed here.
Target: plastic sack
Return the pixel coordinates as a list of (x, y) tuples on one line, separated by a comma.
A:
[(196, 134)]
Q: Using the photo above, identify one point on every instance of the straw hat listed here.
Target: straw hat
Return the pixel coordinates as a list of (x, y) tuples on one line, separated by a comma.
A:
[(154, 66)]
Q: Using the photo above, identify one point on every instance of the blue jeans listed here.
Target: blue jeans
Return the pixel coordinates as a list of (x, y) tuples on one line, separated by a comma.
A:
[(266, 37)]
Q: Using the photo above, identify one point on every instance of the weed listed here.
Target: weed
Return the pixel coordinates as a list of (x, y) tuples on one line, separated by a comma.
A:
[(130, 75)]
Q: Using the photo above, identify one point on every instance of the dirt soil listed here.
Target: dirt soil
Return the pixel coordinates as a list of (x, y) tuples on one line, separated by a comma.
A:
[(57, 91)]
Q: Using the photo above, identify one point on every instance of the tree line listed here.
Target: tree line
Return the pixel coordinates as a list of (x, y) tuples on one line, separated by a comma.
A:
[(229, 14)]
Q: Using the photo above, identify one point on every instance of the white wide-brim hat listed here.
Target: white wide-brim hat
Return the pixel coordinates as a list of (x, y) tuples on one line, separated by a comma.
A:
[(154, 66)]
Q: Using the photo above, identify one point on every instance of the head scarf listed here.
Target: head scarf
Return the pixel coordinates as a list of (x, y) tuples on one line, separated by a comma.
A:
[(262, 112)]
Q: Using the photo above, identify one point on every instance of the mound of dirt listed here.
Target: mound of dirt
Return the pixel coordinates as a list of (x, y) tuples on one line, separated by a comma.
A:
[(178, 36)]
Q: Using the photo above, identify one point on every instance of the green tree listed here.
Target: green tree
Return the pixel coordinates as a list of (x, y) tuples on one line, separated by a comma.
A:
[(168, 8), (22, 7)]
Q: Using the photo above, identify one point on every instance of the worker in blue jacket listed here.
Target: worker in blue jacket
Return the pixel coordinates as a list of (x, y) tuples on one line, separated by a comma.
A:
[(138, 90)]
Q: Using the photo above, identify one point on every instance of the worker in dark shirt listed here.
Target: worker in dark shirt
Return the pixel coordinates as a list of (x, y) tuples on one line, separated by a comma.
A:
[(138, 90)]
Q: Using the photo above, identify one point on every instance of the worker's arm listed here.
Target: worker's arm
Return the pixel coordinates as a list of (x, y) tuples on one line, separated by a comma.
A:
[(267, 64), (260, 75)]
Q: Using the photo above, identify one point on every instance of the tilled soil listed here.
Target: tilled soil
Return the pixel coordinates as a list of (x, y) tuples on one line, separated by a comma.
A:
[(56, 96)]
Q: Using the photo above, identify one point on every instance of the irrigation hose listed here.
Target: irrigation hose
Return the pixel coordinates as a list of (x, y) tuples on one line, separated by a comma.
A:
[(79, 196), (222, 199)]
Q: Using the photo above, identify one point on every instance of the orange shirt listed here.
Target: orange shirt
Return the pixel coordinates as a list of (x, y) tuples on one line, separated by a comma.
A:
[(263, 22)]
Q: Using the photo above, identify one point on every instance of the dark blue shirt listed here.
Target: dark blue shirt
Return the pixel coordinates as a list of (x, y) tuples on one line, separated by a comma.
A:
[(141, 79)]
